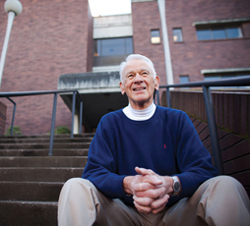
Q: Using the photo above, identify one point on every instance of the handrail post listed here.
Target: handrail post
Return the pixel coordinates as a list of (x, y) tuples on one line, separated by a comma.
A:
[(213, 129), (158, 97), (81, 111), (168, 97), (73, 114), (13, 115), (52, 125)]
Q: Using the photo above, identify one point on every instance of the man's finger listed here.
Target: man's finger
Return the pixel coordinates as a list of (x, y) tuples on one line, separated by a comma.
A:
[(159, 204), (143, 171), (154, 193), (143, 201), (152, 179)]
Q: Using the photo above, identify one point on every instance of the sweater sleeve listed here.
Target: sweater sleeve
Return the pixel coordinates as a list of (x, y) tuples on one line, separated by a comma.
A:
[(194, 161), (101, 168)]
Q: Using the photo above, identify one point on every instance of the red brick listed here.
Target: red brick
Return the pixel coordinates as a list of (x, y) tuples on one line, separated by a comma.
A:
[(237, 165), (204, 134), (229, 140), (201, 127), (240, 149), (236, 115), (48, 38), (243, 115), (243, 178)]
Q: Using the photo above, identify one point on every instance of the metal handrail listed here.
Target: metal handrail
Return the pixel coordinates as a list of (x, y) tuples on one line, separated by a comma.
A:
[(55, 92), (242, 81)]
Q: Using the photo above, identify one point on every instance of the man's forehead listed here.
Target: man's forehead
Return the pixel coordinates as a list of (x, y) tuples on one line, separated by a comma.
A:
[(135, 65)]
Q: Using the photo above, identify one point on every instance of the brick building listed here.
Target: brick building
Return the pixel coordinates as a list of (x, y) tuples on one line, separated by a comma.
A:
[(59, 45)]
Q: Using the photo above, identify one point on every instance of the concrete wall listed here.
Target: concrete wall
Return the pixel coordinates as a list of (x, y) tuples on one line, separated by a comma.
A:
[(2, 117), (232, 112), (48, 38)]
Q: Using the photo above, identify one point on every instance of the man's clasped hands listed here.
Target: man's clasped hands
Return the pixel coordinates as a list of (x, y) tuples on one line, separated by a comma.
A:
[(150, 191)]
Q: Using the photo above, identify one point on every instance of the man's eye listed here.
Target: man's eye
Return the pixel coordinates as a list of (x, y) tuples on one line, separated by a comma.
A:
[(145, 73), (130, 75)]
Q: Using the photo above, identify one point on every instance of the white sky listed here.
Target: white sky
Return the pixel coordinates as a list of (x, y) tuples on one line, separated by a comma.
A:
[(109, 7)]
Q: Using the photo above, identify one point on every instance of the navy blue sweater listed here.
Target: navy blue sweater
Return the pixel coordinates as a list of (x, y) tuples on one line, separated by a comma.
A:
[(167, 143)]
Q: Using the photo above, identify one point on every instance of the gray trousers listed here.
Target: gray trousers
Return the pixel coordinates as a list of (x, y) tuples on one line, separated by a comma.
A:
[(219, 201)]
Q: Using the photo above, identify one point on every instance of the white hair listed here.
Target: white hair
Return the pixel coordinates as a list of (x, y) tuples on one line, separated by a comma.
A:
[(137, 57)]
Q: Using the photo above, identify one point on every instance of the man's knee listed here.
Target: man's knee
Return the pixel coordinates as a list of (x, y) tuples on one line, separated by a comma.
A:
[(225, 183), (75, 185)]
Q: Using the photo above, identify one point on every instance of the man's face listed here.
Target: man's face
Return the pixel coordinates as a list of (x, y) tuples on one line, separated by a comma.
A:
[(139, 84)]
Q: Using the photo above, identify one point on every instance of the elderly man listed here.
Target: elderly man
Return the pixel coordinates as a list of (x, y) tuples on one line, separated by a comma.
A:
[(147, 166)]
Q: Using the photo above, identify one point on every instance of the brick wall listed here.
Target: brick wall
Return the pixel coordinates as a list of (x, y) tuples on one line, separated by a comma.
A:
[(232, 112), (191, 56), (2, 117), (48, 38), (145, 18)]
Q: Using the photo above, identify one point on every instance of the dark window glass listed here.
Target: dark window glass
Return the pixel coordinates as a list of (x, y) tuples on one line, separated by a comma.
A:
[(184, 79), (112, 51), (155, 33), (218, 33), (112, 47), (203, 34), (227, 76), (155, 36), (233, 32), (177, 35), (129, 46)]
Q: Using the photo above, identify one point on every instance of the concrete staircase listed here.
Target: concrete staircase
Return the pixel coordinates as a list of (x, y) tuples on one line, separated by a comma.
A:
[(30, 180)]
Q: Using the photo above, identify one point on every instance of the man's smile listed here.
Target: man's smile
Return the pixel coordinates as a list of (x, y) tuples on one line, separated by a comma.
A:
[(139, 88)]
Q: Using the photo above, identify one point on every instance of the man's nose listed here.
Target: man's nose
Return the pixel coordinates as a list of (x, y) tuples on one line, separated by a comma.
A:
[(138, 78)]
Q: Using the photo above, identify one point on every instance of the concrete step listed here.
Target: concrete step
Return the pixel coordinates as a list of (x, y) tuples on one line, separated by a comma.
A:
[(44, 152), (43, 145), (25, 213), (46, 136), (31, 181), (45, 140), (37, 174), (30, 191), (43, 161)]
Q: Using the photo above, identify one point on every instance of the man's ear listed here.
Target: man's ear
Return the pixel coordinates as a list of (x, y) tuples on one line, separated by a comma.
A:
[(157, 82), (122, 88)]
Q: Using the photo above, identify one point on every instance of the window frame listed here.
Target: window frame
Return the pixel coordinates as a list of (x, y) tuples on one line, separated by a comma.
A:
[(154, 40), (181, 33)]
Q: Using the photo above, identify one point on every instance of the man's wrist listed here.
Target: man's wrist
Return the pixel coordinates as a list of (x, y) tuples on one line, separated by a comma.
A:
[(176, 186), (127, 185)]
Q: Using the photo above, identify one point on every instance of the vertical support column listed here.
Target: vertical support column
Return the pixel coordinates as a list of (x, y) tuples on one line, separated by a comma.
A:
[(73, 114), (168, 97), (81, 112), (158, 97), (213, 129), (52, 125), (168, 64), (13, 115)]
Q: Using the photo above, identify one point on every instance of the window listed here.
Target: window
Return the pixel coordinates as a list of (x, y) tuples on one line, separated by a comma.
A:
[(177, 35), (218, 33), (226, 76), (114, 46), (184, 79), (112, 51), (155, 36)]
